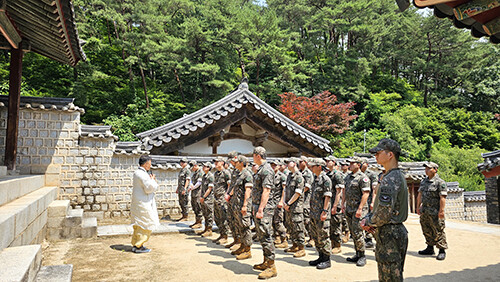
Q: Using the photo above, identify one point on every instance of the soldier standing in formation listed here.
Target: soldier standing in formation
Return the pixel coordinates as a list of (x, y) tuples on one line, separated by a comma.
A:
[(431, 202), (263, 205), (182, 187), (293, 203), (344, 170), (357, 189), (308, 180), (222, 182), (373, 177), (207, 199), (278, 218), (337, 179), (195, 190), (232, 203), (321, 193), (390, 210)]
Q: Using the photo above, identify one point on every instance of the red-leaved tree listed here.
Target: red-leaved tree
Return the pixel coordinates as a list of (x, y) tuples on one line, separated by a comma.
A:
[(320, 113)]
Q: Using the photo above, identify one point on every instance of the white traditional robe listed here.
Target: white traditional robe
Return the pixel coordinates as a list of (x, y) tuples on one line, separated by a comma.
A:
[(143, 206)]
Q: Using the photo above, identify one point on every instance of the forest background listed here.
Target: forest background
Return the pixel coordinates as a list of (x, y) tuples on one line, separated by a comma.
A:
[(409, 76)]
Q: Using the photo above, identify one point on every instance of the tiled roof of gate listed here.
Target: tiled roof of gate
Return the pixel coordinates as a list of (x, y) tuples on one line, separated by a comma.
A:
[(491, 160), (43, 103), (474, 196), (225, 106), (96, 131), (413, 170), (129, 148)]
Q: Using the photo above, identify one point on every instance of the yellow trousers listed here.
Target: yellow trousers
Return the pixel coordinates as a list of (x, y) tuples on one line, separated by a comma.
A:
[(140, 236)]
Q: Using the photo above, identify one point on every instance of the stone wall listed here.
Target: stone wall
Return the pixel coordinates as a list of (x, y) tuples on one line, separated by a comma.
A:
[(492, 185), (475, 211), (454, 202)]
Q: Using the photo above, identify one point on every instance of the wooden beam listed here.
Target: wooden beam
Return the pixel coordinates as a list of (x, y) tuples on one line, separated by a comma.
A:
[(16, 70), (7, 28)]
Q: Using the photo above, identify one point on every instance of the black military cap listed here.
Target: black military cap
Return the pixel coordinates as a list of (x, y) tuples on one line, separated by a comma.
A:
[(386, 144)]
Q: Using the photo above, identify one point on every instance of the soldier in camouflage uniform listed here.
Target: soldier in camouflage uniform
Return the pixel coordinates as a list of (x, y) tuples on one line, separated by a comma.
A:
[(264, 200), (182, 187), (344, 171), (308, 179), (293, 202), (431, 203), (373, 185), (321, 193), (278, 218), (390, 210), (232, 221), (222, 183), (195, 190), (337, 179), (207, 199), (357, 189), (243, 206)]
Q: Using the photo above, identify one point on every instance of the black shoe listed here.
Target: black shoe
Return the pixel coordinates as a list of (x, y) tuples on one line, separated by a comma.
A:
[(428, 251), (355, 258), (441, 255), (369, 244), (316, 261), (361, 261), (324, 264), (140, 250)]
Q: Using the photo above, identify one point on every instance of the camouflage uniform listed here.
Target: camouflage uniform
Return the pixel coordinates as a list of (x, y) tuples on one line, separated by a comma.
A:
[(278, 218), (195, 195), (308, 180), (373, 181), (337, 179), (390, 210), (222, 178), (208, 206), (432, 225), (294, 217), (243, 179), (184, 175), (264, 178), (355, 185), (232, 206), (320, 230)]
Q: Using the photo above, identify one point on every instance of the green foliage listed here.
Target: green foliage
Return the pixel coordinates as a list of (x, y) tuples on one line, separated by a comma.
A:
[(352, 142)]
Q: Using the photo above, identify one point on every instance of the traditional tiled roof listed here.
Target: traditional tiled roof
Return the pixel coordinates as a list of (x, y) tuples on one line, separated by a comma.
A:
[(48, 25), (475, 196), (491, 160), (44, 103), (481, 17), (413, 170), (129, 148), (453, 187), (96, 131), (226, 107)]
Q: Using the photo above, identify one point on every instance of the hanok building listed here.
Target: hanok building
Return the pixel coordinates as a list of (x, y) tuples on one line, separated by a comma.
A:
[(490, 168)]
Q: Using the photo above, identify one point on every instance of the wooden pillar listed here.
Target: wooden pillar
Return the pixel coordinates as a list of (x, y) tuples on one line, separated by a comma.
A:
[(16, 70)]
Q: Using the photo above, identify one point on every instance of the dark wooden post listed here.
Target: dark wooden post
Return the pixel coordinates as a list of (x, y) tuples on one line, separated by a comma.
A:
[(16, 70)]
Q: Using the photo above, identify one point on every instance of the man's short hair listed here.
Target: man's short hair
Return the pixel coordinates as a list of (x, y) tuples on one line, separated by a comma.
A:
[(144, 159), (261, 151)]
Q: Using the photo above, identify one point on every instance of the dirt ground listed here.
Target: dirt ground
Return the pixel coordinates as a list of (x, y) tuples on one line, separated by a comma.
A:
[(472, 256)]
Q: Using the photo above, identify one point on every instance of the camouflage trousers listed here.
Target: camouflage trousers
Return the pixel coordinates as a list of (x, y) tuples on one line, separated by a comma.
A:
[(264, 231), (433, 229), (183, 203), (208, 212), (243, 224), (345, 227), (278, 222), (295, 223), (336, 228), (320, 233), (196, 205), (220, 215), (307, 221), (232, 220), (390, 253), (356, 232)]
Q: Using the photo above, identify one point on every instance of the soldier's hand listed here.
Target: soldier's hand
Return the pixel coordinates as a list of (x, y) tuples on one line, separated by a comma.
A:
[(358, 213), (280, 205), (183, 192), (202, 200), (371, 206), (244, 210), (343, 209), (227, 197), (334, 211), (323, 216), (287, 207), (259, 214), (441, 214)]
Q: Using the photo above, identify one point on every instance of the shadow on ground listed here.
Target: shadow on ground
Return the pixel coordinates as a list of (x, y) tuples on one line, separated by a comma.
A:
[(484, 273), (121, 248)]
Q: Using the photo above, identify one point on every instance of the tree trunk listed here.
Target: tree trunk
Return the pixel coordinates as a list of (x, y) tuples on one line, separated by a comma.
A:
[(145, 86), (242, 65), (257, 62), (180, 86)]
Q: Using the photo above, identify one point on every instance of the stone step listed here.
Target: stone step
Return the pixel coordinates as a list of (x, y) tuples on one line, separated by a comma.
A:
[(14, 187), (89, 227), (59, 208), (55, 273), (22, 220), (20, 263), (3, 171)]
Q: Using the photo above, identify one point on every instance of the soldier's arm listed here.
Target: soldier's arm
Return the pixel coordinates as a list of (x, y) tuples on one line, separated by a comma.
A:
[(387, 194), (443, 192), (267, 185), (419, 203)]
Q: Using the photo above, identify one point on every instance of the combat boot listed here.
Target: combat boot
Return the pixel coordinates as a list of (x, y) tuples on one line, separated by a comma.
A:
[(316, 261), (239, 250), (292, 249), (284, 243), (362, 259), (222, 241), (336, 248), (261, 266), (235, 247), (196, 225), (310, 243), (207, 233), (270, 271), (369, 244), (427, 251), (345, 239), (245, 254), (235, 241), (202, 231), (441, 255), (355, 258), (325, 263), (277, 240), (300, 252), (183, 218)]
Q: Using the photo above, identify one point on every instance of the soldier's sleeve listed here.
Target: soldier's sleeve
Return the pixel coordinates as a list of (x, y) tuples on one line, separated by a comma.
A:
[(373, 180), (299, 188), (387, 196), (422, 185), (327, 184), (227, 176), (186, 172), (211, 181), (340, 181), (248, 181), (268, 179), (443, 188), (365, 184)]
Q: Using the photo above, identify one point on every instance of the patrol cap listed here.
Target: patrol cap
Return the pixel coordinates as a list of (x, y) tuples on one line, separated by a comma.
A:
[(220, 159), (344, 162), (364, 160), (192, 163), (274, 161), (355, 159), (184, 160), (317, 161), (293, 160), (304, 159), (259, 151), (207, 164), (232, 154), (386, 144), (331, 158), (241, 159), (431, 165)]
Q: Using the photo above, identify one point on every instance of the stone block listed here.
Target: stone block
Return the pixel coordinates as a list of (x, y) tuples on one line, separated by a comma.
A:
[(55, 273), (59, 208), (52, 180), (55, 222), (89, 227), (74, 218), (20, 263)]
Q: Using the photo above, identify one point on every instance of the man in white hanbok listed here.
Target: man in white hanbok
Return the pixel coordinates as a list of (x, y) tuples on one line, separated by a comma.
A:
[(143, 207)]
